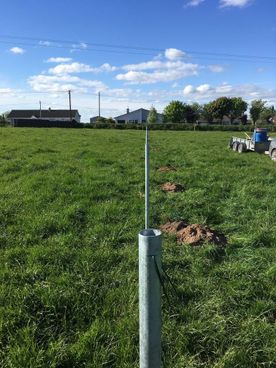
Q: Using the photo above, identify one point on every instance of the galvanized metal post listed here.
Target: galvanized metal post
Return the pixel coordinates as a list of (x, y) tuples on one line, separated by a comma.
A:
[(70, 106), (150, 241), (147, 169)]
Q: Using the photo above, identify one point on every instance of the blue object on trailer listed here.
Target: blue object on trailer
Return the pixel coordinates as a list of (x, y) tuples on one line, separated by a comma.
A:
[(260, 135), (259, 142)]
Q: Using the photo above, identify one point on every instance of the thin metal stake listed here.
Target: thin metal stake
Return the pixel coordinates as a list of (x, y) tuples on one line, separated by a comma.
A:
[(147, 170), (150, 243)]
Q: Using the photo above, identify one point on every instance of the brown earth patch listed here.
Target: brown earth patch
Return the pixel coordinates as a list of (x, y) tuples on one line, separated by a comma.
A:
[(172, 187), (167, 168), (173, 227), (194, 234)]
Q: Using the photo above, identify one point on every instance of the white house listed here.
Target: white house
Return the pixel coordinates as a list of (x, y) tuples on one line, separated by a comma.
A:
[(137, 116)]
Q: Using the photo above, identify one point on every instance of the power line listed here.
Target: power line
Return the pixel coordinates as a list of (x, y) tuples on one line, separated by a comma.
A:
[(87, 46), (83, 42), (76, 48), (215, 57)]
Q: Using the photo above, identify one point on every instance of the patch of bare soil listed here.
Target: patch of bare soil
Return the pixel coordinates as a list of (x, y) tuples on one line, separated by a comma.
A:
[(194, 234), (173, 227), (172, 187), (167, 168)]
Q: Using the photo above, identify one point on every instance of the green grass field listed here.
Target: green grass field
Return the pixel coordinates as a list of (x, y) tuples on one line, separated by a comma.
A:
[(71, 207)]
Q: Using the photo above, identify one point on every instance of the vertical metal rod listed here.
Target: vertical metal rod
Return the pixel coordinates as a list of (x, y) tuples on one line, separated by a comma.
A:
[(70, 107), (99, 102), (150, 242), (147, 170), (40, 112)]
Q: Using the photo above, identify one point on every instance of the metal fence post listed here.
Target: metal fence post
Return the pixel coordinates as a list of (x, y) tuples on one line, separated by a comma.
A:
[(150, 242)]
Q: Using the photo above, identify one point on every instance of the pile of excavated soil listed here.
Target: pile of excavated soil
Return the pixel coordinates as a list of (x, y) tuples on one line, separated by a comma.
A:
[(194, 234), (167, 168), (172, 187), (173, 227)]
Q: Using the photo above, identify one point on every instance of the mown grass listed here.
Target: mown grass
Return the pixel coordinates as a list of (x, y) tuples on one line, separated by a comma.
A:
[(71, 206)]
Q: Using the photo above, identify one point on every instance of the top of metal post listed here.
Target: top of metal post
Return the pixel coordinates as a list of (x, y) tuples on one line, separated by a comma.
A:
[(147, 169)]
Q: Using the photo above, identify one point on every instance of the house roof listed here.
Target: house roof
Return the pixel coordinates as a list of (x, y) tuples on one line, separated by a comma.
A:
[(44, 113), (133, 112)]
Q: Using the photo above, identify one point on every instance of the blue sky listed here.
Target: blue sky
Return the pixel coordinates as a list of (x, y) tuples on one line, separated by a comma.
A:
[(137, 53)]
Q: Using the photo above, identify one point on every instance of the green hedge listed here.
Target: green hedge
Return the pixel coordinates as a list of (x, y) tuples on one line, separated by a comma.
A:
[(181, 126)]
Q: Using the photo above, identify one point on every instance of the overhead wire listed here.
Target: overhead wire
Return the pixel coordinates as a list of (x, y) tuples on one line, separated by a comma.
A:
[(127, 49), (73, 45)]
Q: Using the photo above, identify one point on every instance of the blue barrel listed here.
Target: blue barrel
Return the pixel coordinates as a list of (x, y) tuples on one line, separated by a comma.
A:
[(260, 135)]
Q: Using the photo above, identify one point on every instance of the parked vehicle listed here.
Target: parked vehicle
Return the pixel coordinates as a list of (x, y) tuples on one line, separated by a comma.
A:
[(259, 142)]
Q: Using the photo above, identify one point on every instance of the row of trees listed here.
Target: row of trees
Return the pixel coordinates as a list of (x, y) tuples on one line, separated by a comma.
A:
[(213, 111), (232, 107)]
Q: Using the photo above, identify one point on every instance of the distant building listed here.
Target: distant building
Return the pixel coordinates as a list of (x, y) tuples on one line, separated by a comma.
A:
[(95, 118), (42, 117), (137, 116)]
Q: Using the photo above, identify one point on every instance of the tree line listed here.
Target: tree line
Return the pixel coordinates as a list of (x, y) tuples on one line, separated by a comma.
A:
[(234, 108)]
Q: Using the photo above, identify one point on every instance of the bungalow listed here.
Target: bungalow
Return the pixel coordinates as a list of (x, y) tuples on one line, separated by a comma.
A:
[(96, 118), (41, 117), (137, 116)]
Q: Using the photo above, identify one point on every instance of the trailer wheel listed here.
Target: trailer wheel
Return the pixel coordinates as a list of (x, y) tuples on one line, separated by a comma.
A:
[(235, 146), (273, 155), (241, 148)]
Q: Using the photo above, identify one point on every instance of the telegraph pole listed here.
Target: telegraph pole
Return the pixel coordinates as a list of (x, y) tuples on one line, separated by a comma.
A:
[(99, 102), (70, 107)]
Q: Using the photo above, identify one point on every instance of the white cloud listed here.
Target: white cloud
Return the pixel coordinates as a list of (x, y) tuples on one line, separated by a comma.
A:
[(77, 67), (106, 67), (224, 88), (155, 71), (203, 88), (155, 64), (216, 68), (236, 3), (116, 100), (152, 64), (188, 90), (45, 43), (58, 60), (194, 2), (204, 93), (79, 46), (7, 92), (164, 74), (70, 68), (174, 54), (57, 83), (17, 50)]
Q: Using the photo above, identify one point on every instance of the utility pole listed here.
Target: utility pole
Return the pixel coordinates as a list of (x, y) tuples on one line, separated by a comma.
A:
[(70, 107), (99, 102), (40, 112)]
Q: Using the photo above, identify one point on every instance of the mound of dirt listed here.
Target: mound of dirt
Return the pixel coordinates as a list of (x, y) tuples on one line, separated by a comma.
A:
[(194, 234), (173, 227), (167, 168), (172, 187)]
